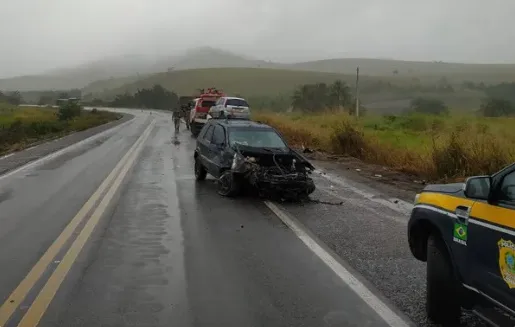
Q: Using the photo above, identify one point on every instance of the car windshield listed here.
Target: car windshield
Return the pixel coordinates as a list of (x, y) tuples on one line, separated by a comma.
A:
[(256, 137), (237, 103)]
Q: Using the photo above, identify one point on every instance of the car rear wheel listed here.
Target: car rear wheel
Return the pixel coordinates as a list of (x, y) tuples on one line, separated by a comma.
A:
[(228, 185), (442, 288), (200, 171), (194, 129)]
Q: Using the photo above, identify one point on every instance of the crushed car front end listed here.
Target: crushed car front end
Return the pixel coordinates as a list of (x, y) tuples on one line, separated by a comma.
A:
[(283, 175)]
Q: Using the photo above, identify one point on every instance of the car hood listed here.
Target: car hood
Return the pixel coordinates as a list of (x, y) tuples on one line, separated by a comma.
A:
[(265, 154), (453, 188)]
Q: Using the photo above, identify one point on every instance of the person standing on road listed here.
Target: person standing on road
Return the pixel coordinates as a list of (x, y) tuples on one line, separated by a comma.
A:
[(177, 118), (185, 110)]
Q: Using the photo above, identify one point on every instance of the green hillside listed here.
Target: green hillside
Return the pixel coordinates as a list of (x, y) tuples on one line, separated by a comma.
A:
[(125, 69), (245, 81), (382, 93), (454, 72)]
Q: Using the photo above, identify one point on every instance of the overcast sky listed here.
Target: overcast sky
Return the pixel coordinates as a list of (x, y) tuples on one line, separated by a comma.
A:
[(38, 35)]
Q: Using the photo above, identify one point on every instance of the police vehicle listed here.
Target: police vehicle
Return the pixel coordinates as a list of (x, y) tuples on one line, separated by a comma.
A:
[(466, 234)]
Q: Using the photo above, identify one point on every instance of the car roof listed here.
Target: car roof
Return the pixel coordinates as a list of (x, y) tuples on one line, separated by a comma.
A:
[(228, 123), (234, 98)]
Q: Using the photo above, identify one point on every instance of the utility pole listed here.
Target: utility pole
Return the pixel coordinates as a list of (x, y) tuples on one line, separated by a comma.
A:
[(357, 91)]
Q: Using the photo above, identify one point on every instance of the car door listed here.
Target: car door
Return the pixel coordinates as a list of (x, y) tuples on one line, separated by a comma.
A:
[(491, 241), (203, 144), (217, 147)]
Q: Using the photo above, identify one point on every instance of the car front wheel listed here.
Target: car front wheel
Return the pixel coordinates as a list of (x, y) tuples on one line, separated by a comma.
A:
[(200, 171), (228, 185), (442, 288)]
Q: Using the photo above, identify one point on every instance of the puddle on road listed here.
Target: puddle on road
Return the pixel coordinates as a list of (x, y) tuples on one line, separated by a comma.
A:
[(62, 159), (5, 194), (185, 177)]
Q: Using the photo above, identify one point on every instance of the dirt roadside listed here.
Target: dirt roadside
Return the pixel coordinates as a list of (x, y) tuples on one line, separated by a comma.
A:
[(390, 182)]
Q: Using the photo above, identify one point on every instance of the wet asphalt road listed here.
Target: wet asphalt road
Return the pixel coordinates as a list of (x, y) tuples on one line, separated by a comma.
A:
[(171, 252)]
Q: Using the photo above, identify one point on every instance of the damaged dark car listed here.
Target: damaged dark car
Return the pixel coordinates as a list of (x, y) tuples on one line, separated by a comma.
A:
[(246, 155)]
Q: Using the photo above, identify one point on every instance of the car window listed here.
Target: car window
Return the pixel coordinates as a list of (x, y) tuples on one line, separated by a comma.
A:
[(207, 103), (256, 137), (218, 135), (508, 188), (237, 102), (209, 134)]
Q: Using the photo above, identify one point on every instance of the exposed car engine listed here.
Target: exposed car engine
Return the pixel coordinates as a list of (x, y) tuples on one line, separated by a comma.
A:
[(282, 175)]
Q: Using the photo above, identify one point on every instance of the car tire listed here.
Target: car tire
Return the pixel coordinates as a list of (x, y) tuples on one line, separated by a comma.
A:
[(200, 171), (228, 185), (442, 288), (194, 129)]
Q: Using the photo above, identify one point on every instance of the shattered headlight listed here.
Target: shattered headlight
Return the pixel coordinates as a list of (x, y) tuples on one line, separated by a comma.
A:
[(237, 161)]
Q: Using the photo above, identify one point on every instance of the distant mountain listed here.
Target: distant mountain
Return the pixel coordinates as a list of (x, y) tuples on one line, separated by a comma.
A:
[(207, 57), (129, 67), (78, 77)]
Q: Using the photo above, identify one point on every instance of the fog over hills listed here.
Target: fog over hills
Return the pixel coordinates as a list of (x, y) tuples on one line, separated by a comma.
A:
[(130, 65), (133, 67)]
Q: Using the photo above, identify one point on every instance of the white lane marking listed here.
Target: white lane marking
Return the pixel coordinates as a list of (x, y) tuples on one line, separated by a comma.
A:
[(362, 204), (400, 205), (58, 153), (7, 155), (387, 314)]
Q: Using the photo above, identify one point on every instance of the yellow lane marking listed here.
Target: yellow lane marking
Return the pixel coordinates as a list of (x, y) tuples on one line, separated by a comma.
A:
[(42, 301), (21, 291)]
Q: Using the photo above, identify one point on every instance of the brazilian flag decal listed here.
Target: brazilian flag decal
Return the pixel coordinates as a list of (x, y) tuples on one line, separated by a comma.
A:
[(460, 232)]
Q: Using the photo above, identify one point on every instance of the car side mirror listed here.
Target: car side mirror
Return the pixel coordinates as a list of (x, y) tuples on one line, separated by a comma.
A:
[(478, 187)]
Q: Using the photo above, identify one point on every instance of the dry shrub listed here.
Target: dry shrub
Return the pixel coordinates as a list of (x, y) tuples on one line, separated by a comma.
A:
[(459, 149), (450, 159), (347, 139), (466, 153), (297, 132)]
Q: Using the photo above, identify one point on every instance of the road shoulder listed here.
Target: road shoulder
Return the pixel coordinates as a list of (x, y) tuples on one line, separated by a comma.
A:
[(35, 152), (390, 183)]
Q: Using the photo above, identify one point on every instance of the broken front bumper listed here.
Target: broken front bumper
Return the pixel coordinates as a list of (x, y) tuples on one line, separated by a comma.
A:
[(287, 185)]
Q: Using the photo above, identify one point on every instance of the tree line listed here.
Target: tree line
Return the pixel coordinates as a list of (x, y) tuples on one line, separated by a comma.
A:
[(320, 96), (49, 98), (499, 99), (156, 97), (13, 98)]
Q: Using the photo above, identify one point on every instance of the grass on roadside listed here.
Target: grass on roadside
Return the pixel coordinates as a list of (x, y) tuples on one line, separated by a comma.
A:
[(22, 126), (436, 148)]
